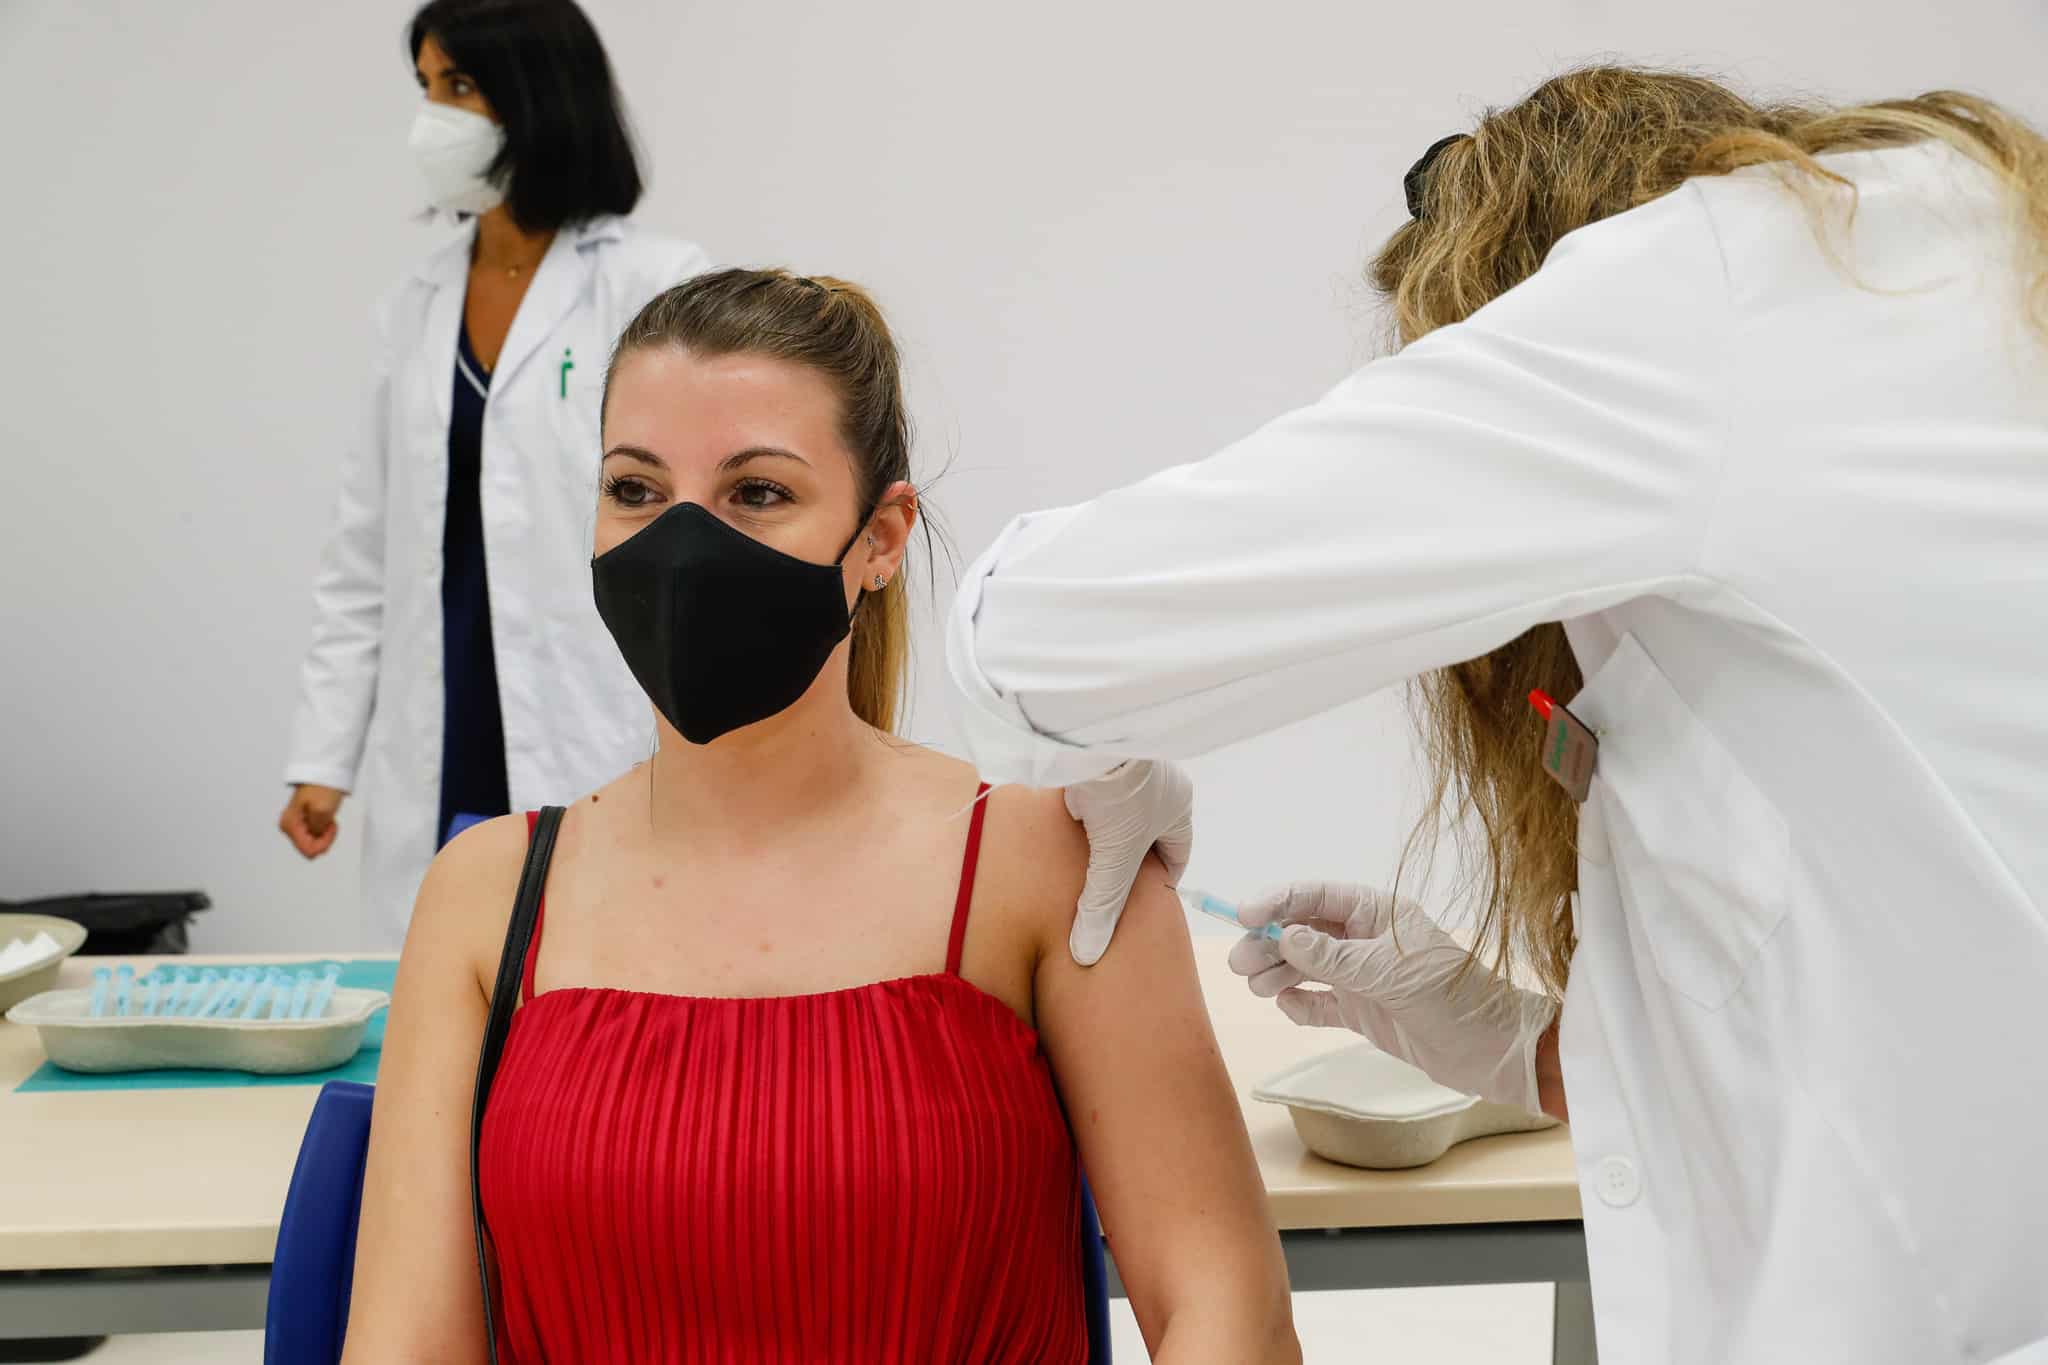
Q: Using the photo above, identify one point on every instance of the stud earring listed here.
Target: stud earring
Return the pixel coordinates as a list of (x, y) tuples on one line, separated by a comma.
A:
[(880, 582)]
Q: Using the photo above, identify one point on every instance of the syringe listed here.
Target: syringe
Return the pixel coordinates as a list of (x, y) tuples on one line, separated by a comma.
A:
[(1215, 907)]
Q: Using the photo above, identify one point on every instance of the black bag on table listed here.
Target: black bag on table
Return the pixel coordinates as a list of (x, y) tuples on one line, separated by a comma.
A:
[(125, 924)]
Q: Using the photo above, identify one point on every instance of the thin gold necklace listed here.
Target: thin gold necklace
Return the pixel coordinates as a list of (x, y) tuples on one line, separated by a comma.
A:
[(512, 270)]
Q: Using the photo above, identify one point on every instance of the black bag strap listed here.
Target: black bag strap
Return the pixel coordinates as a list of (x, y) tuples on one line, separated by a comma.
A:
[(540, 851)]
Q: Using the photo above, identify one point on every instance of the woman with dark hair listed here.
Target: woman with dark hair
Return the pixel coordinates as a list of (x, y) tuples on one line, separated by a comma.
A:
[(456, 670)]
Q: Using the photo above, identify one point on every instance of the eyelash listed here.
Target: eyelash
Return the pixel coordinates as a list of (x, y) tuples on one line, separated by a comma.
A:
[(617, 487), (766, 485)]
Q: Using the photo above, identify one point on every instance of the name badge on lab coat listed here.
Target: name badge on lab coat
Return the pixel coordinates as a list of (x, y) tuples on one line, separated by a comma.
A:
[(1570, 750)]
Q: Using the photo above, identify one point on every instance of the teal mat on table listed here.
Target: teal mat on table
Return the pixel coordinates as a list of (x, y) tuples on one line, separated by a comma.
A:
[(376, 976)]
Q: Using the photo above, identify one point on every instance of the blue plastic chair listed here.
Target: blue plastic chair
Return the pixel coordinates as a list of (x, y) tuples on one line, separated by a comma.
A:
[(307, 1315), (1094, 1278), (306, 1318), (459, 822)]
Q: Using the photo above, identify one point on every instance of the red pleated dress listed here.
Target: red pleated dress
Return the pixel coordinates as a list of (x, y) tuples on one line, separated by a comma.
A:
[(876, 1174)]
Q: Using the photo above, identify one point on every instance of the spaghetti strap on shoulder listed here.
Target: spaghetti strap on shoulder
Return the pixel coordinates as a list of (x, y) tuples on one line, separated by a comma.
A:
[(968, 864)]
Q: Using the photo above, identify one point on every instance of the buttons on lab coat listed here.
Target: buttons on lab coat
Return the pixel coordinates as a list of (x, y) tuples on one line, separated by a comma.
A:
[(1617, 1183)]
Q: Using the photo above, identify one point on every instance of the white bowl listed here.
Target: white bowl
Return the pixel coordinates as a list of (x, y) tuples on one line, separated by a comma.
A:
[(76, 1041), (36, 977), (1361, 1107)]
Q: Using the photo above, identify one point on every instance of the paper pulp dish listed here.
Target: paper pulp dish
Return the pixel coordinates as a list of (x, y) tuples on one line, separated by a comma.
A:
[(76, 1041), (1361, 1107), (37, 977)]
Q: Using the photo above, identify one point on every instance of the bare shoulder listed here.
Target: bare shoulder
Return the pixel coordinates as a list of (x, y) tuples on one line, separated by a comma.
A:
[(466, 899), (1038, 838), (475, 868), (1035, 856)]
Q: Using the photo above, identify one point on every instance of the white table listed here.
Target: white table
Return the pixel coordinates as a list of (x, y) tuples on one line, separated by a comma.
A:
[(1499, 1210), (156, 1210)]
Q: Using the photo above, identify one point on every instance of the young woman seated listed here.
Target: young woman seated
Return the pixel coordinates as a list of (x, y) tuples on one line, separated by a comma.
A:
[(801, 1069)]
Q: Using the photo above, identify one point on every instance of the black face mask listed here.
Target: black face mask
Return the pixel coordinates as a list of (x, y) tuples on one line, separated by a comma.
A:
[(720, 629)]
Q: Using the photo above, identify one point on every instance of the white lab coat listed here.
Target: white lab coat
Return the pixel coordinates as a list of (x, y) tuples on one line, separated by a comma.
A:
[(1797, 530), (370, 714)]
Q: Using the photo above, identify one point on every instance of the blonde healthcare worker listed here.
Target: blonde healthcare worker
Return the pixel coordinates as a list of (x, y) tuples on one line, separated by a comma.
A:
[(1727, 427), (457, 669)]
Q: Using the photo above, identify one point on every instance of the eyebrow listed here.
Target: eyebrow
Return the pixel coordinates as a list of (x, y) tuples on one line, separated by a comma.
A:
[(637, 453), (726, 465), (751, 453)]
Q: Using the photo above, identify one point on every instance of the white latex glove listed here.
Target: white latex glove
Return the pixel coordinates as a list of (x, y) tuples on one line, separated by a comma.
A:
[(1129, 811), (1393, 976)]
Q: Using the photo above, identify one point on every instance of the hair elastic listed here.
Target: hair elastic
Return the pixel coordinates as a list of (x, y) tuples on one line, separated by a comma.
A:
[(1411, 183)]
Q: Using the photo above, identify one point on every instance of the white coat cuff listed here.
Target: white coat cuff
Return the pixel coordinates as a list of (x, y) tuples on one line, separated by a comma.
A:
[(319, 775), (1001, 741)]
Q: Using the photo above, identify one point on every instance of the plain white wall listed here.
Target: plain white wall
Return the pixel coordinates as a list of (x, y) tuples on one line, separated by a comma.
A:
[(1112, 236)]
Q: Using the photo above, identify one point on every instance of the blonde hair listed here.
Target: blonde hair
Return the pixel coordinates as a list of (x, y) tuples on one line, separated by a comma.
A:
[(1584, 146), (836, 329)]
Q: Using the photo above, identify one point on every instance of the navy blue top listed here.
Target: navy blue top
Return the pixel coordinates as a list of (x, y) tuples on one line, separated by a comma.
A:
[(473, 733)]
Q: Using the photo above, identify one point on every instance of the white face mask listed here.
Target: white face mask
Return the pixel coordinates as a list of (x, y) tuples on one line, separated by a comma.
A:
[(453, 148)]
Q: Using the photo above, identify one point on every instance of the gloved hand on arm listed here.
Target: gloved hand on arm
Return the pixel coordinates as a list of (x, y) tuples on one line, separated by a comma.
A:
[(1395, 977), (1129, 811)]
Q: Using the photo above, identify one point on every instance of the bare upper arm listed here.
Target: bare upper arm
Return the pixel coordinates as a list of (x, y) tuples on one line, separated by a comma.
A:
[(1161, 1134), (416, 1296)]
